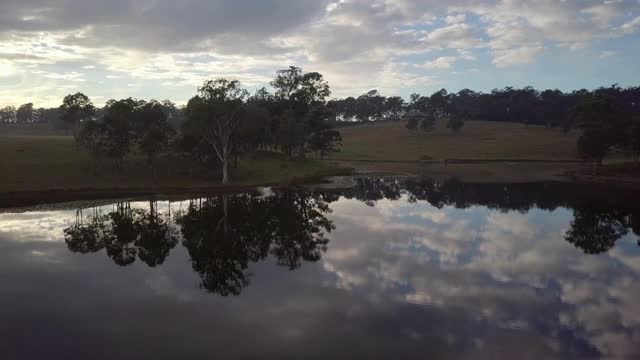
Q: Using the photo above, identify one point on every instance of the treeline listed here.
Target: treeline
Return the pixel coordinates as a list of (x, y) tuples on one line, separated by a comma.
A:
[(223, 120), (551, 108), (608, 122), (28, 114), (217, 125)]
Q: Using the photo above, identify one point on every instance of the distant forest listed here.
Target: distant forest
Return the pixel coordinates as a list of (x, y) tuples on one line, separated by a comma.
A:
[(551, 108)]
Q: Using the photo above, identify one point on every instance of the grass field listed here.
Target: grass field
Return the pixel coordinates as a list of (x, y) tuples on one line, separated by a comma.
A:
[(32, 163), (482, 140), (53, 162)]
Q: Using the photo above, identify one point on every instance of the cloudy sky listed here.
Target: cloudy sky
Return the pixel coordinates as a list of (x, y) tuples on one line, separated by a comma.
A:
[(166, 48)]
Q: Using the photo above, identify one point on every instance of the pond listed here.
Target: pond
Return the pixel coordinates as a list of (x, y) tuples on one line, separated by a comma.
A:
[(416, 269)]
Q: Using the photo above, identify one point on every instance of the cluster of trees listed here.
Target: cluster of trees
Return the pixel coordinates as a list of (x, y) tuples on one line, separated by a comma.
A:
[(222, 121), (126, 125), (608, 122), (552, 108), (223, 235), (28, 114)]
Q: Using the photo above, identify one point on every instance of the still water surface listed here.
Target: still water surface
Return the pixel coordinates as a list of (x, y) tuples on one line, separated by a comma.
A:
[(387, 269)]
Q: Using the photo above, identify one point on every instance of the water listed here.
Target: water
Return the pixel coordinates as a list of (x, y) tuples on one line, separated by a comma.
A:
[(387, 269)]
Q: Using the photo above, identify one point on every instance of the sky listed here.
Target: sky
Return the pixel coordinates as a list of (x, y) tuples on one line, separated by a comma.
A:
[(164, 49)]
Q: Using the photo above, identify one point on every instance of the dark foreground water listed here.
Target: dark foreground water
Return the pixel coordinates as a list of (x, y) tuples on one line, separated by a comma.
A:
[(385, 270)]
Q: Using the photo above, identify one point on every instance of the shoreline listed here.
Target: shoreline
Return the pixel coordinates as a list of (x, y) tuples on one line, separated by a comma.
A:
[(488, 172)]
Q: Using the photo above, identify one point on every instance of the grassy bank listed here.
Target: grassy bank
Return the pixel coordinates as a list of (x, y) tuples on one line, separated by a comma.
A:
[(36, 163), (485, 140), (482, 151)]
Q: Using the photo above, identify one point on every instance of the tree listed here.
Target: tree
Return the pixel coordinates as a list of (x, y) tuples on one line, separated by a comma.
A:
[(75, 109), (118, 128), (300, 89), (152, 131), (370, 106), (455, 123), (291, 133), (634, 136), (25, 113), (325, 141), (255, 127), (439, 104), (412, 123), (394, 108), (8, 114), (416, 118), (215, 115), (601, 120), (174, 115), (427, 124), (94, 138)]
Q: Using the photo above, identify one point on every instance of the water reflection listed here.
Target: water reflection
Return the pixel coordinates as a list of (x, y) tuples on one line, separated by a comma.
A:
[(124, 232), (602, 215), (417, 269), (222, 234)]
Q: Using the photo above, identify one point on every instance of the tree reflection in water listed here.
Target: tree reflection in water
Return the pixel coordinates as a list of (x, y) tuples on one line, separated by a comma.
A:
[(602, 216), (125, 233), (222, 234), (225, 234)]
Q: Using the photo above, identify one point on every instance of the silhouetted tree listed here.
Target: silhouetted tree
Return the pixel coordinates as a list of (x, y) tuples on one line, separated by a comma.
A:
[(156, 238), (595, 230), (215, 116), (225, 234), (75, 109), (8, 114), (325, 142), (86, 236), (118, 128), (25, 113), (600, 119), (152, 131)]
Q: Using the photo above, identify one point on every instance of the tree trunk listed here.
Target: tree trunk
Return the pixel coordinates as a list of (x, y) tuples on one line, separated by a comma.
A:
[(225, 165)]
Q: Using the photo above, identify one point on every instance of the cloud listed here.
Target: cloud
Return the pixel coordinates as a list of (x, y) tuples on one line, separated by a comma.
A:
[(442, 62), (607, 54), (7, 69), (516, 56), (630, 27), (358, 44), (455, 19)]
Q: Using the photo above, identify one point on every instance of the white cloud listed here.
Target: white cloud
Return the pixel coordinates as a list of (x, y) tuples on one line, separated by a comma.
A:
[(516, 56), (631, 26), (360, 44), (442, 62), (607, 54), (7, 68), (455, 19)]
